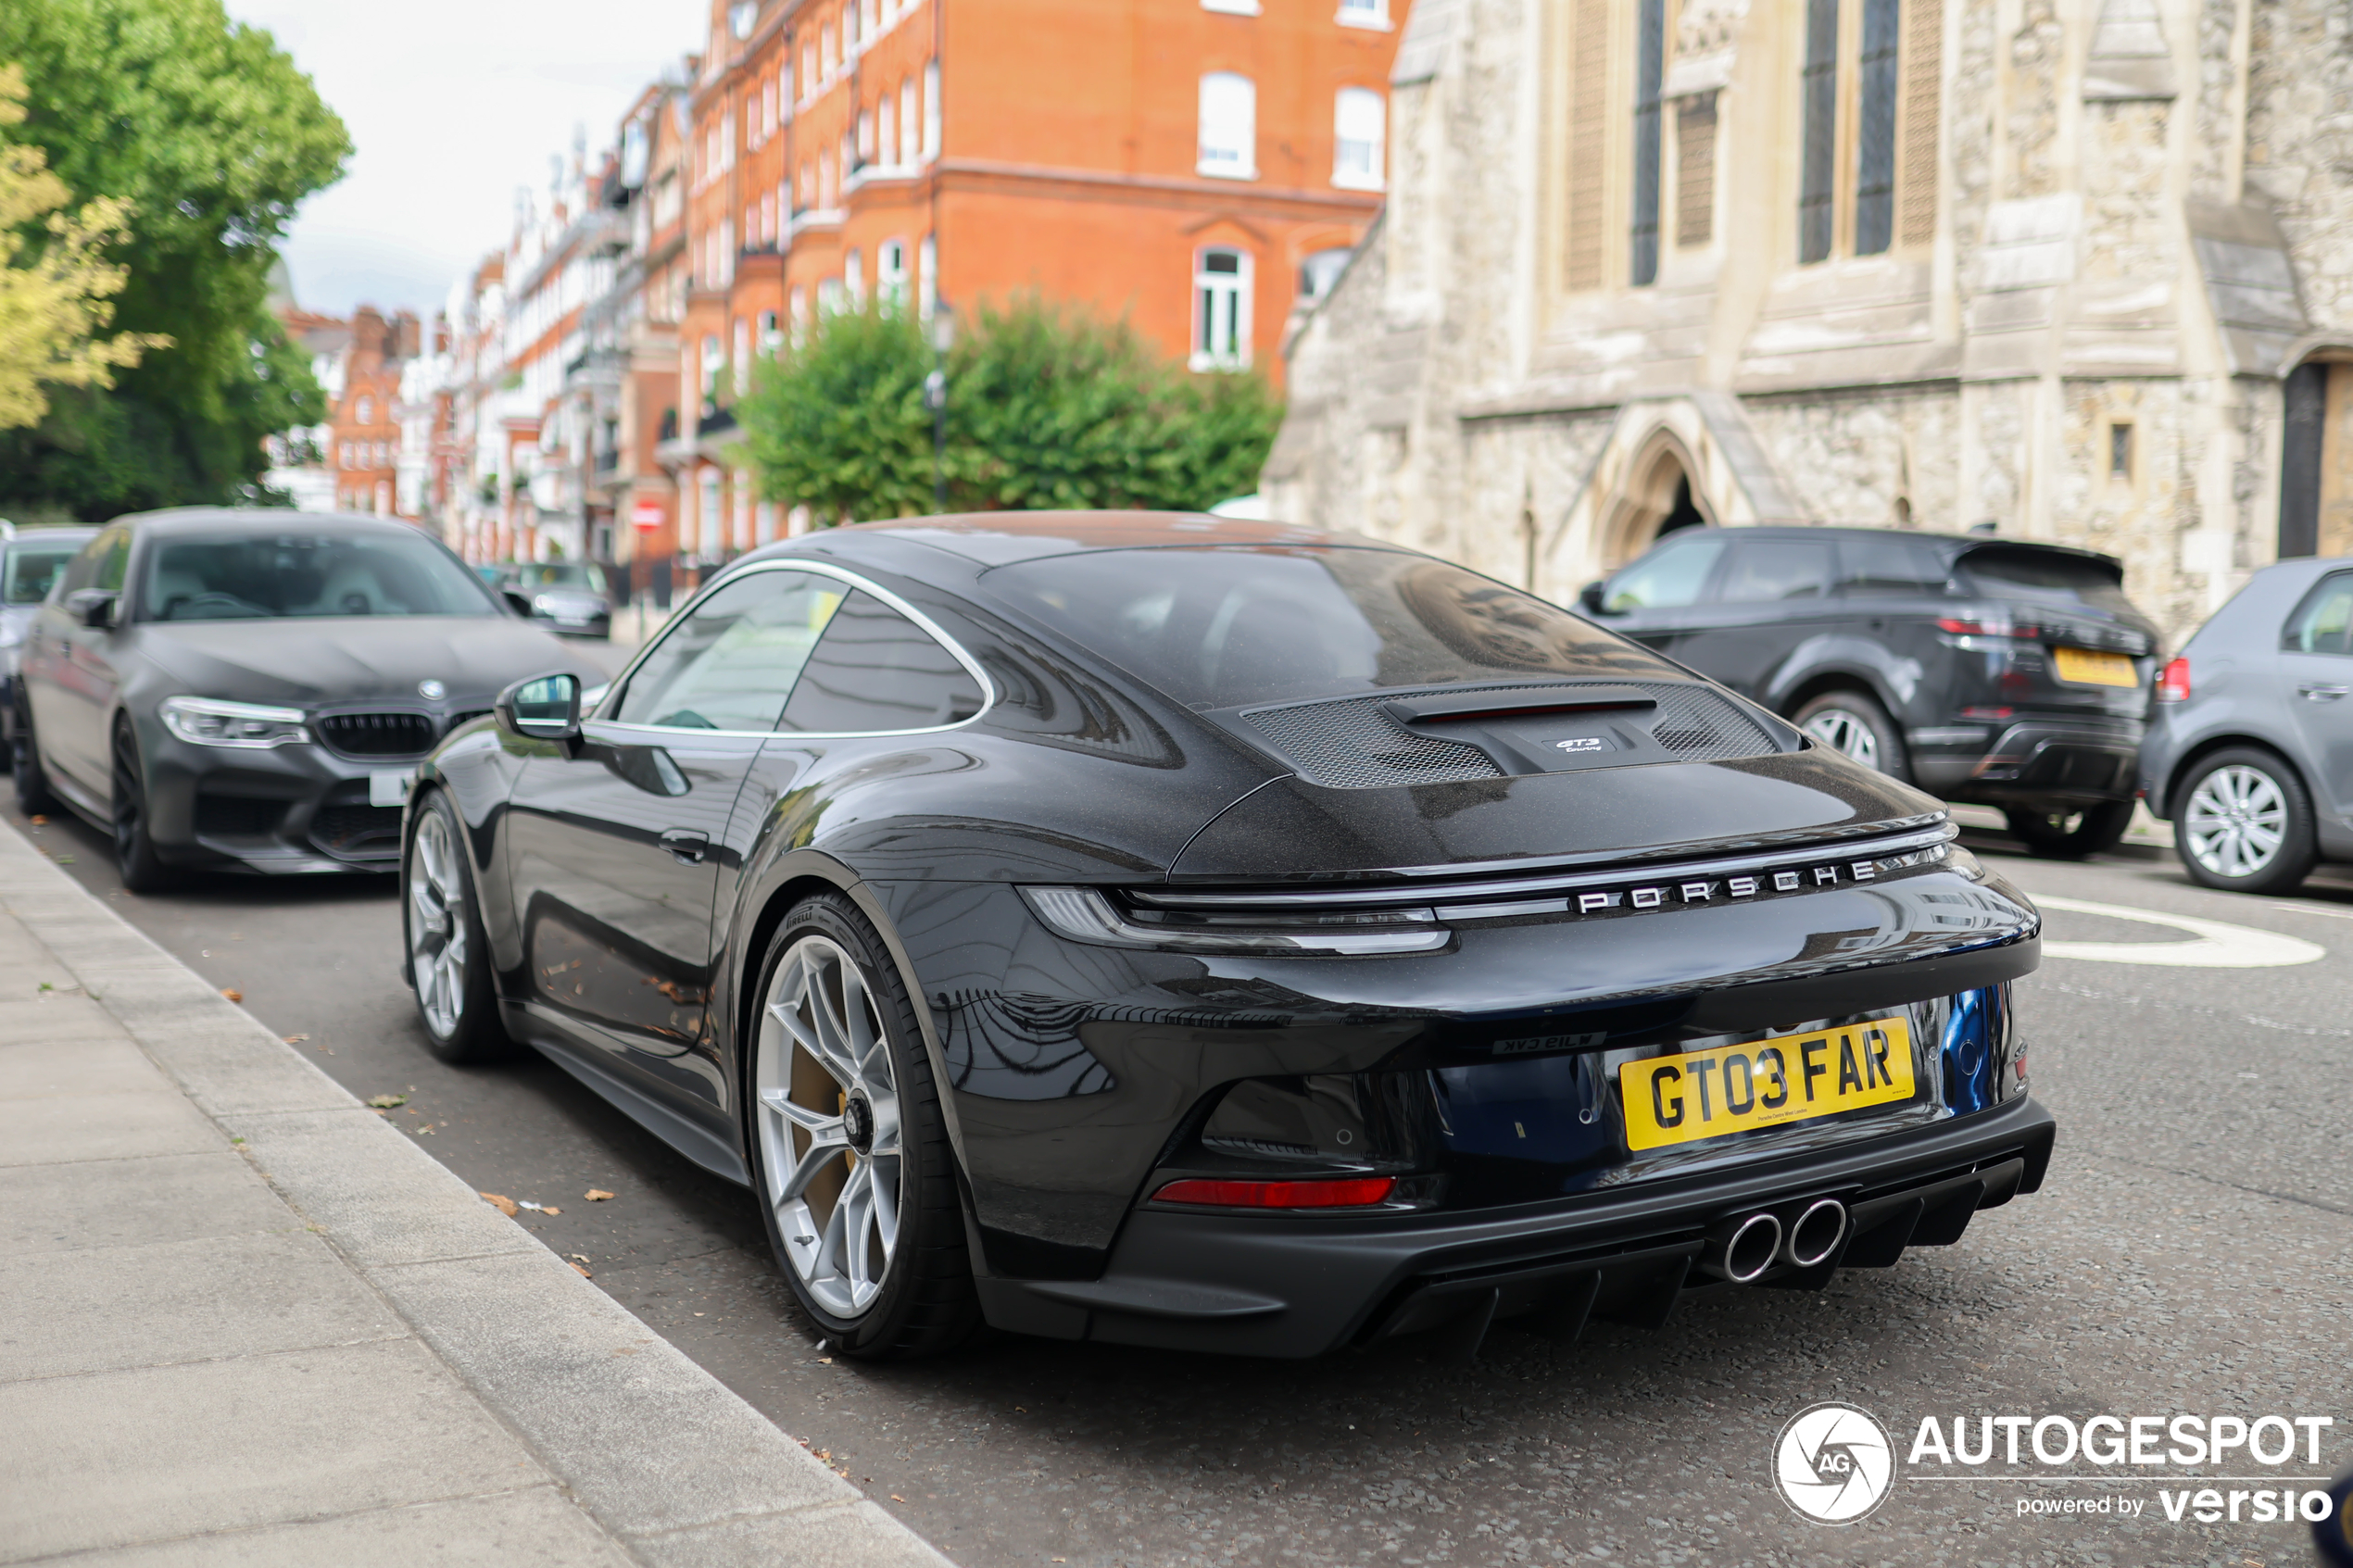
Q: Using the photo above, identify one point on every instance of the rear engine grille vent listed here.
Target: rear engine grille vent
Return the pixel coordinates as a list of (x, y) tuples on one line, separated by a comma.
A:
[(1353, 743), (378, 734)]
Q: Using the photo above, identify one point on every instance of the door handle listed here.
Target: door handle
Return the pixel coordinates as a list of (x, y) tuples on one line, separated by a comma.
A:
[(687, 845), (2315, 692)]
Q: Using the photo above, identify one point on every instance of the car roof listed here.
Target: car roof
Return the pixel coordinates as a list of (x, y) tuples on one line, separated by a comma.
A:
[(211, 520), (997, 538), (1957, 542), (69, 534)]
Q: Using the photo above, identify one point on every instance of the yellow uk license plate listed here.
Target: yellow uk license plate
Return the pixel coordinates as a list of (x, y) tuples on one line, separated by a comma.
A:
[(2088, 666), (1672, 1099)]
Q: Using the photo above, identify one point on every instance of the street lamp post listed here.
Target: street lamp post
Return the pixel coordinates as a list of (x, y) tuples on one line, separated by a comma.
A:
[(943, 338)]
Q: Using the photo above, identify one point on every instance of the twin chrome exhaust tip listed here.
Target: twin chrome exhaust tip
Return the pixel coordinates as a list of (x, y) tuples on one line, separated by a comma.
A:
[(1745, 1248)]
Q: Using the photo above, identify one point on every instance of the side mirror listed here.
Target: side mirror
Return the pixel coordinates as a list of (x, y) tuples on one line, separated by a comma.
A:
[(94, 607), (517, 601), (1588, 597), (543, 708)]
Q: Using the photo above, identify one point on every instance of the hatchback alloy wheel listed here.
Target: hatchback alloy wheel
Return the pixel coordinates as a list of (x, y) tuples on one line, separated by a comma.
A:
[(2237, 820), (830, 1126), (437, 926), (1845, 734)]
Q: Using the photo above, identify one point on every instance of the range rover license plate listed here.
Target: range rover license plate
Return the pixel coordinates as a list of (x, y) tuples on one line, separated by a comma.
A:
[(1672, 1099), (2089, 667)]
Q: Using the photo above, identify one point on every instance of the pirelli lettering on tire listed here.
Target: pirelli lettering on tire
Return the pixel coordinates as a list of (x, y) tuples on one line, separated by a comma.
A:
[(1707, 1094)]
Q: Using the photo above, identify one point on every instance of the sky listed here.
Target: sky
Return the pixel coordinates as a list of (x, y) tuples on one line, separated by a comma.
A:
[(451, 105)]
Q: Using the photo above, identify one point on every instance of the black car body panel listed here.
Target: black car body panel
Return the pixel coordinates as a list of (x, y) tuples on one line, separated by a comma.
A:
[(1591, 914), (1963, 655), (373, 692)]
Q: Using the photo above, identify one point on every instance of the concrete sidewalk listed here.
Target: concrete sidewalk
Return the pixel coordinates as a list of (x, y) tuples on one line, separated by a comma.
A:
[(244, 1321)]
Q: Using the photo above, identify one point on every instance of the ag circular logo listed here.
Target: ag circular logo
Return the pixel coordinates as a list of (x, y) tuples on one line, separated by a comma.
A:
[(1834, 1464)]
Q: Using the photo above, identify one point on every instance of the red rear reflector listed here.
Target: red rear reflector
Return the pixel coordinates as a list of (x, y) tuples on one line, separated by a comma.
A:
[(1356, 1192), (2174, 685)]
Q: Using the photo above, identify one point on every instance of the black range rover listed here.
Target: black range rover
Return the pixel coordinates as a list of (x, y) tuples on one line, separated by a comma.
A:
[(1998, 672)]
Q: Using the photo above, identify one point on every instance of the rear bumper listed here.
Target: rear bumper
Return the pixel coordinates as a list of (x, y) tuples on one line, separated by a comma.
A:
[(1291, 1286), (2041, 760)]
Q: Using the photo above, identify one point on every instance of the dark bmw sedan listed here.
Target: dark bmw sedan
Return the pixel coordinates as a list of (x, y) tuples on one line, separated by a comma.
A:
[(1196, 932), (252, 690)]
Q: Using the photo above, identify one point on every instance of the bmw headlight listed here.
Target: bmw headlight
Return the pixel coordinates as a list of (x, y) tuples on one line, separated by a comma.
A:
[(207, 723)]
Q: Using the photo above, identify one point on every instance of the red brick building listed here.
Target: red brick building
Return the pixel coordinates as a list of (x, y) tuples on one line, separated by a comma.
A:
[(363, 446)]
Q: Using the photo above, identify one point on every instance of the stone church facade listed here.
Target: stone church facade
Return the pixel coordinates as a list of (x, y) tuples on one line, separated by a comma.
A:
[(2079, 270)]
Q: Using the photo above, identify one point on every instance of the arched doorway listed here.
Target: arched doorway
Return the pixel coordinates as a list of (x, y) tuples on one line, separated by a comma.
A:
[(1658, 499)]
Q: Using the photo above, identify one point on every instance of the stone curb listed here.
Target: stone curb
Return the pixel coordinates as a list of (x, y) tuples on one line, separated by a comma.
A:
[(673, 1465)]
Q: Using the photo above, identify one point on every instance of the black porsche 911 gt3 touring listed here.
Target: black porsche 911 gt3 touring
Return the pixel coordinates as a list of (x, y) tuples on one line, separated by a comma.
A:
[(1215, 934)]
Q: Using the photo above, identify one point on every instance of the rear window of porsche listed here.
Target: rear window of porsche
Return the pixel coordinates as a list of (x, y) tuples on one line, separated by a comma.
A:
[(1229, 627)]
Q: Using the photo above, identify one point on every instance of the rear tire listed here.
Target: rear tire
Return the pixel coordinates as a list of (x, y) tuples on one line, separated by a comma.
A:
[(142, 869), (2071, 835), (34, 798), (1854, 725), (441, 932), (2244, 824), (870, 1238)]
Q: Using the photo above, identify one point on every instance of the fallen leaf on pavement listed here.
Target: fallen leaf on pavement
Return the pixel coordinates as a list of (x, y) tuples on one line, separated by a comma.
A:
[(385, 1102), (895, 1497), (505, 1205), (581, 1270), (596, 1194), (295, 1039), (234, 996)]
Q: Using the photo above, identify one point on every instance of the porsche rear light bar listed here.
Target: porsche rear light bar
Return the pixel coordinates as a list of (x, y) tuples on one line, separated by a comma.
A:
[(1350, 1192)]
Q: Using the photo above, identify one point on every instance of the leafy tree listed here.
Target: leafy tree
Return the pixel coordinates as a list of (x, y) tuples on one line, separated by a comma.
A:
[(839, 424), (1049, 406), (209, 134), (53, 296)]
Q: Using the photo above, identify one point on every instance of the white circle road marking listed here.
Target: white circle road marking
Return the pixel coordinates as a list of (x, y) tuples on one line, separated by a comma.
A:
[(2214, 944)]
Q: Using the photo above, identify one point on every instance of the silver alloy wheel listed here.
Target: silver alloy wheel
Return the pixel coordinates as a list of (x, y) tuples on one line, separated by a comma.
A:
[(1844, 731), (437, 926), (2237, 820), (829, 1125)]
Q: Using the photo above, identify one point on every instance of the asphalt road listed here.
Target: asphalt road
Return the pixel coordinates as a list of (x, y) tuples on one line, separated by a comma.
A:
[(2189, 1254)]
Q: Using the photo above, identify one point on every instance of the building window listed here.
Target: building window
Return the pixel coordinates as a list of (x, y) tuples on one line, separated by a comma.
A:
[(741, 364), (1650, 64), (1588, 150), (931, 110), (1360, 140), (713, 519), (2120, 451), (1228, 126), (907, 132), (799, 307), (1321, 271), (828, 54), (1885, 97), (367, 411), (887, 134), (865, 137), (1695, 170), (709, 368), (1232, 8), (1364, 13), (1221, 310), (807, 71), (772, 337), (853, 278), (825, 181), (927, 262), (890, 272)]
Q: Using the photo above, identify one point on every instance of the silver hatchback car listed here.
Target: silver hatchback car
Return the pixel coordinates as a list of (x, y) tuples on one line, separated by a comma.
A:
[(2249, 749)]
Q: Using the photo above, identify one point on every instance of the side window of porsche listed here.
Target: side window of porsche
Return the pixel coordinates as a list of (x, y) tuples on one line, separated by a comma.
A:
[(731, 663), (874, 671)]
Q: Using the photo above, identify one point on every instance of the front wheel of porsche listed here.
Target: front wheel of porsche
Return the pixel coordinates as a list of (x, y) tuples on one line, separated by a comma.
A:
[(849, 1145)]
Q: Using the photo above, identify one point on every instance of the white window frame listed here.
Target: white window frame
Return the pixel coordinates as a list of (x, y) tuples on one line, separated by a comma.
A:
[(1222, 310), (886, 131), (909, 128), (1227, 139), (1374, 175), (1232, 8), (890, 272), (853, 278), (932, 126), (927, 267), (1373, 14)]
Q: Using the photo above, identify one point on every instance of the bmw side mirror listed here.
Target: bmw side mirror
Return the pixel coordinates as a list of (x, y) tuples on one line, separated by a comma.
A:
[(543, 708), (93, 608), (1588, 597)]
